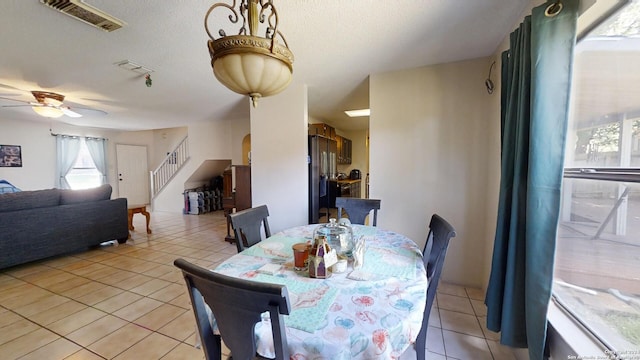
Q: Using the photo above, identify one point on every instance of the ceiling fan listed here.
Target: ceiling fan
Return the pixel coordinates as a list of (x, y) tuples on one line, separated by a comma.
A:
[(49, 104)]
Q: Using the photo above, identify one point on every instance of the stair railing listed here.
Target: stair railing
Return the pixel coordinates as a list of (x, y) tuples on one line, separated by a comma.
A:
[(168, 168)]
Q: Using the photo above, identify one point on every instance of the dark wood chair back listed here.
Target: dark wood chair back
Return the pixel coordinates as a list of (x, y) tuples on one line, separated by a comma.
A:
[(435, 250), (358, 209), (247, 225), (237, 305)]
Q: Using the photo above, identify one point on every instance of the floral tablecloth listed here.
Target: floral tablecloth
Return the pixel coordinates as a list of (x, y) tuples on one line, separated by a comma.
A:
[(338, 317)]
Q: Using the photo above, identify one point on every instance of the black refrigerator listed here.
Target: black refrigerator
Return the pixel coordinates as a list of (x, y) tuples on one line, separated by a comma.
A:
[(322, 175)]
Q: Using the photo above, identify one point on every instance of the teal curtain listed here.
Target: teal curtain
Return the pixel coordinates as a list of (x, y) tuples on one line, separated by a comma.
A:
[(536, 79)]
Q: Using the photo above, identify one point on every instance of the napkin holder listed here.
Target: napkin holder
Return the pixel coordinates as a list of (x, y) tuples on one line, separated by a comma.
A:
[(321, 258)]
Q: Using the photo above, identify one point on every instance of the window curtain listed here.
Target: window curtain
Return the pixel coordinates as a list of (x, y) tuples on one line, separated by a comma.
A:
[(97, 149), (536, 80), (67, 149)]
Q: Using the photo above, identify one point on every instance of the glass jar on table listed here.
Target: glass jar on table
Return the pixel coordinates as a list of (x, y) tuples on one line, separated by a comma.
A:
[(339, 236)]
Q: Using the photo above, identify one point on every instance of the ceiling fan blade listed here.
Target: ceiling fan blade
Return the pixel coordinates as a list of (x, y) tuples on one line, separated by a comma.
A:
[(6, 86), (54, 101), (69, 112), (89, 111), (10, 99)]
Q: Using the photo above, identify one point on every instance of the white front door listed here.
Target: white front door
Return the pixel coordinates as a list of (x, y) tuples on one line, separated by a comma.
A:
[(133, 174)]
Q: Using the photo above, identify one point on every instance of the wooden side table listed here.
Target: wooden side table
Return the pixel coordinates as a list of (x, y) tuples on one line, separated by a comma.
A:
[(138, 209)]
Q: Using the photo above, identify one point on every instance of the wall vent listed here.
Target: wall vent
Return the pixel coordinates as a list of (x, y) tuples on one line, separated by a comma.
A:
[(85, 13)]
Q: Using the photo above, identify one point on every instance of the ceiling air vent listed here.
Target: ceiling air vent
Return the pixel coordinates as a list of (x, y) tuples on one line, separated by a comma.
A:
[(85, 13)]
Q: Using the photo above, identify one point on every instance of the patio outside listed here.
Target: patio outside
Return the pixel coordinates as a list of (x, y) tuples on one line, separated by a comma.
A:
[(597, 266)]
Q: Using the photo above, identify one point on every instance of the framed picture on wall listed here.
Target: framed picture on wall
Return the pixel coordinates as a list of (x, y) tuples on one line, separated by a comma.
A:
[(10, 156)]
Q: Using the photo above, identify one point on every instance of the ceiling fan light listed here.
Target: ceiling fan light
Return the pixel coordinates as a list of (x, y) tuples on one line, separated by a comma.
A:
[(52, 102), (47, 111)]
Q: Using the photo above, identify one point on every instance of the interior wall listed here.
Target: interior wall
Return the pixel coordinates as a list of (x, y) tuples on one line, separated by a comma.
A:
[(165, 141), (428, 154), (207, 141), (279, 169), (240, 128), (38, 167), (207, 170), (492, 169), (39, 151), (246, 150)]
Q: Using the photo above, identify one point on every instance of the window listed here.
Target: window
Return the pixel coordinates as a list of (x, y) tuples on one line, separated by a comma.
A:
[(597, 265), (84, 173)]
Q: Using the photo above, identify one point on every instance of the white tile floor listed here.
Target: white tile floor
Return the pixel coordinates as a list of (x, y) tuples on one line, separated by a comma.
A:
[(457, 328), (130, 302)]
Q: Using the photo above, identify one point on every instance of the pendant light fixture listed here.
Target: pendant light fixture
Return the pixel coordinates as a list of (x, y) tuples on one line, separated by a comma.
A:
[(246, 63)]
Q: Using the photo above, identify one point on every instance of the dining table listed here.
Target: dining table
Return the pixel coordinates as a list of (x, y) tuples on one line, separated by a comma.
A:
[(372, 312)]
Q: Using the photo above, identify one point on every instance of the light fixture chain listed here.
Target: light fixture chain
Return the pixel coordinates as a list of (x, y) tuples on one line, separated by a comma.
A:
[(244, 9)]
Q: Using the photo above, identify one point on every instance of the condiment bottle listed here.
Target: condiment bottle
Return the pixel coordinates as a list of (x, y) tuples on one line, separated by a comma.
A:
[(317, 267)]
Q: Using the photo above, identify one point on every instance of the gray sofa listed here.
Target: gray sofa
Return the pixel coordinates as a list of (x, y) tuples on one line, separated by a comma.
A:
[(39, 224)]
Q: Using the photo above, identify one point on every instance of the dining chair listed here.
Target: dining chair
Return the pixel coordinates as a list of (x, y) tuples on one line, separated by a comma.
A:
[(247, 226), (435, 249), (358, 209), (237, 305)]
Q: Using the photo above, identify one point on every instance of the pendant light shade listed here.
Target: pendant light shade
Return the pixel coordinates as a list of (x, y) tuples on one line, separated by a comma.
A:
[(249, 64)]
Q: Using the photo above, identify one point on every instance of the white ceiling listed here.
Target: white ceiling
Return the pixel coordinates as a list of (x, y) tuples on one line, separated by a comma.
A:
[(336, 44)]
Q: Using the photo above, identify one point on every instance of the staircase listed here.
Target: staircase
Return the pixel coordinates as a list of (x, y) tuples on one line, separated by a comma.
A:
[(171, 164)]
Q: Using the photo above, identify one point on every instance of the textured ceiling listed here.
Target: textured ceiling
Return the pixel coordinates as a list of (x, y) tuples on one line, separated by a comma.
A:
[(336, 43)]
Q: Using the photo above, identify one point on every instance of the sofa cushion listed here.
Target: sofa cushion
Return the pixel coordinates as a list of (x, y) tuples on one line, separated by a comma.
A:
[(102, 192), (29, 200)]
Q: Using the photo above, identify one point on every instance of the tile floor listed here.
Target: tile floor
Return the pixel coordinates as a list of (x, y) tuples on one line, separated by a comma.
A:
[(129, 301)]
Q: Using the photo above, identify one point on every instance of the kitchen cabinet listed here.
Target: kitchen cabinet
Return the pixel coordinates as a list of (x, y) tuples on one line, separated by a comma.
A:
[(344, 150), (343, 145), (322, 130), (347, 151)]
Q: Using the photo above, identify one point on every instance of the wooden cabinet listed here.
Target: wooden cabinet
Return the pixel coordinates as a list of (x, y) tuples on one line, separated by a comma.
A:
[(323, 130), (344, 150), (243, 187), (343, 145), (238, 198), (347, 151)]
